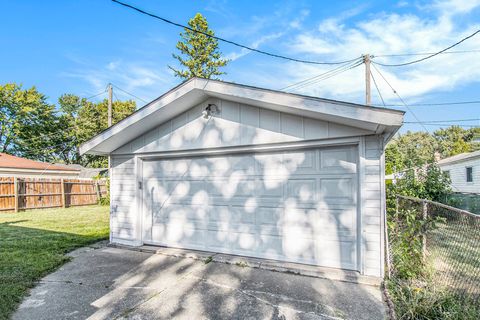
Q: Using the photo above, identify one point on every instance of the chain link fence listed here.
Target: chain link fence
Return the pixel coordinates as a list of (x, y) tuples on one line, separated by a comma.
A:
[(443, 241)]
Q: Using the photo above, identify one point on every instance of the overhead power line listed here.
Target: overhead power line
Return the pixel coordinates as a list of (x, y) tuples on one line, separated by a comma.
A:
[(130, 94), (95, 95), (376, 86), (229, 41), (436, 103), (400, 98), (423, 53), (429, 56), (445, 121), (323, 76), (443, 124)]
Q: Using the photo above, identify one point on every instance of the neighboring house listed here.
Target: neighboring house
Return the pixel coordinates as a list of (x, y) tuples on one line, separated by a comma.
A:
[(464, 171), (229, 168), (86, 173), (12, 166)]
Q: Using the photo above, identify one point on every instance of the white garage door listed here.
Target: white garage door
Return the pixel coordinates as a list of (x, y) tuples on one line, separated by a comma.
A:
[(292, 206)]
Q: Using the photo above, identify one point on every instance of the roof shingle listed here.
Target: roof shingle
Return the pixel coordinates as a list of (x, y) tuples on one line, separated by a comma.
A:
[(9, 161)]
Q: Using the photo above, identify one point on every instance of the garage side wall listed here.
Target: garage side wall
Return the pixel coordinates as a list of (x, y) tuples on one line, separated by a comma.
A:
[(373, 207), (123, 217)]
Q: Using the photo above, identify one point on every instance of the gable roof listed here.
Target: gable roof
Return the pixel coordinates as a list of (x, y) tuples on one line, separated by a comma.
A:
[(459, 157), (196, 90), (13, 162)]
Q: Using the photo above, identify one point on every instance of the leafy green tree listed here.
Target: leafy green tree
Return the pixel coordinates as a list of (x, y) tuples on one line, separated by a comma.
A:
[(410, 150), (199, 53), (82, 120), (26, 122), (453, 140)]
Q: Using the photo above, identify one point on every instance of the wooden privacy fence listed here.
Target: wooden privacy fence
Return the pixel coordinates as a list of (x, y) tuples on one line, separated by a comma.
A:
[(33, 193)]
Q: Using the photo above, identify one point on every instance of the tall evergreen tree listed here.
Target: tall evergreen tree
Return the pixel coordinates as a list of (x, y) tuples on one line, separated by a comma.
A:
[(199, 53)]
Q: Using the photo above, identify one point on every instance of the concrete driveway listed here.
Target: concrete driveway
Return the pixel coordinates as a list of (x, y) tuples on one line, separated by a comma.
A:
[(112, 283)]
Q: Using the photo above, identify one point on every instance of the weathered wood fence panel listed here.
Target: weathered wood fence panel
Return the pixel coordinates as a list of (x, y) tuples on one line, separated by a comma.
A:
[(33, 193)]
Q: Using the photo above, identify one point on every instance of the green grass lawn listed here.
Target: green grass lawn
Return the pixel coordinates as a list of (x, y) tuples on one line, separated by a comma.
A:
[(34, 243)]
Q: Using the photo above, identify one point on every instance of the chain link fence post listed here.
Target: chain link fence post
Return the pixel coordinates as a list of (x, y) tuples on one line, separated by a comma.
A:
[(424, 236)]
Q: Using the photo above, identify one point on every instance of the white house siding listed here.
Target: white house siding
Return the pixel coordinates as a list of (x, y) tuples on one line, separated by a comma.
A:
[(373, 206), (122, 200), (235, 125), (458, 175), (244, 125)]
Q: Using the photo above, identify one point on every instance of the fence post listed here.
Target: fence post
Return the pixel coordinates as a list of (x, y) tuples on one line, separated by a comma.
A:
[(98, 191), (62, 188), (424, 236), (396, 204), (15, 193)]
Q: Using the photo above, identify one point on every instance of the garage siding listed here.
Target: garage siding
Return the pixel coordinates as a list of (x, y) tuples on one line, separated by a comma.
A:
[(372, 207), (235, 124), (251, 126), (122, 199), (123, 207)]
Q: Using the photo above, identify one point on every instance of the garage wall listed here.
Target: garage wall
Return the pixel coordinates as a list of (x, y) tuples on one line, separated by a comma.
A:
[(373, 207), (235, 124), (122, 200), (238, 124), (123, 206)]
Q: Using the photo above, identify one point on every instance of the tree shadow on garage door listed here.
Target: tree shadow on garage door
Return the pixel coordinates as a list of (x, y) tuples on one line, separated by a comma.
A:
[(292, 206), (231, 204)]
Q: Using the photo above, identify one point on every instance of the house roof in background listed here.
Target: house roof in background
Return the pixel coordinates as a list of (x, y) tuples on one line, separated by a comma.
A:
[(9, 161), (196, 90), (84, 172), (460, 157)]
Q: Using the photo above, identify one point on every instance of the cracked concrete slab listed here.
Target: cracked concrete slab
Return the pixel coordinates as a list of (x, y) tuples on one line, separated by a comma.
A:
[(113, 283)]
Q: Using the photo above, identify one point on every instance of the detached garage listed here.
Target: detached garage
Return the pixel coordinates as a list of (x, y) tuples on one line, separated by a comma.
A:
[(228, 168)]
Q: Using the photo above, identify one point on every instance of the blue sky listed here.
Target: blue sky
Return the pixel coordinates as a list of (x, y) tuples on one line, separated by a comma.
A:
[(78, 47)]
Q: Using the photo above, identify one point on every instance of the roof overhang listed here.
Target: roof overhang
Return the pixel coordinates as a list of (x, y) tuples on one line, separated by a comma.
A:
[(196, 90)]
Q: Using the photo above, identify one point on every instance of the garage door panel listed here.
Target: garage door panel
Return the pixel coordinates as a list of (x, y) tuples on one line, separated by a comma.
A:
[(301, 162), (338, 160), (334, 219), (244, 242), (336, 253), (304, 190), (339, 190), (298, 206), (243, 215), (234, 186)]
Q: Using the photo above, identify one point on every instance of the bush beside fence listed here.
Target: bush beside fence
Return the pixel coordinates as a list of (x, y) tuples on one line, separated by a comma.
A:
[(33, 193), (433, 260)]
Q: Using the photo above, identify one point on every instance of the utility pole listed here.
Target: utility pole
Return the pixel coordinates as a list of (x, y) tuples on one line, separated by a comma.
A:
[(368, 96), (110, 92)]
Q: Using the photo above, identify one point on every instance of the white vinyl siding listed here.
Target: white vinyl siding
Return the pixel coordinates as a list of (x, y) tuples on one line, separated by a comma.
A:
[(235, 124), (247, 127), (122, 199), (373, 208), (458, 175)]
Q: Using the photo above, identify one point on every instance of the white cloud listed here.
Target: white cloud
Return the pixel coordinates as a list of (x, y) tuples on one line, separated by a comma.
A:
[(450, 7), (391, 33), (297, 22), (144, 81), (235, 55)]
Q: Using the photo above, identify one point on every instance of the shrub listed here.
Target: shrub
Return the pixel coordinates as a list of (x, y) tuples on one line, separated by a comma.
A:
[(421, 300)]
